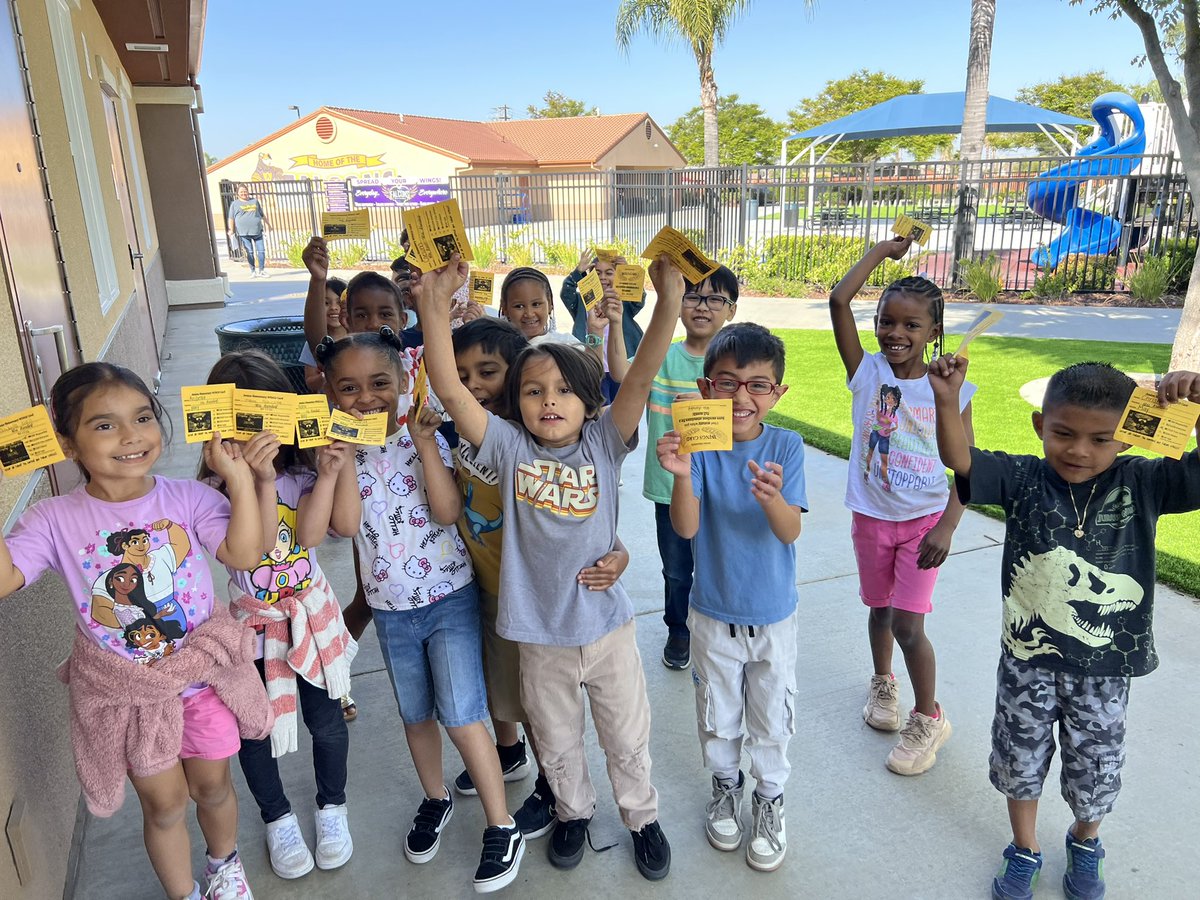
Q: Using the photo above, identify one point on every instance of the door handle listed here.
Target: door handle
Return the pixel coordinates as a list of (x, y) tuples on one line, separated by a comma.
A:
[(60, 344), (133, 255)]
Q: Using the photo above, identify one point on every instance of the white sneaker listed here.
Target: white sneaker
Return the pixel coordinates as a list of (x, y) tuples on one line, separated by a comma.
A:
[(920, 741), (882, 711), (290, 856), (723, 823), (768, 837), (334, 844), (228, 882)]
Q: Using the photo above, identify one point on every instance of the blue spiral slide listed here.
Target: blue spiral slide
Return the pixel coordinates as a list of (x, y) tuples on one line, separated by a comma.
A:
[(1054, 194)]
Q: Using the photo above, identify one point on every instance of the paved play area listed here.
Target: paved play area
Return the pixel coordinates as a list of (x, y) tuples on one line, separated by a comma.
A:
[(854, 829)]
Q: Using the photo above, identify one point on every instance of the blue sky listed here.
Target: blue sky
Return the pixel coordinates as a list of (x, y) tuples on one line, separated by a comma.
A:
[(380, 54)]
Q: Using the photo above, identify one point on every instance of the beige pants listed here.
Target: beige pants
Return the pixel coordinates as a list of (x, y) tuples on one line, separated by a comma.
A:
[(553, 681)]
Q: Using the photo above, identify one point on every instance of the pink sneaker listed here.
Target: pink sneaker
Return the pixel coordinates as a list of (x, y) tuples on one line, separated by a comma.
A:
[(228, 882), (920, 739)]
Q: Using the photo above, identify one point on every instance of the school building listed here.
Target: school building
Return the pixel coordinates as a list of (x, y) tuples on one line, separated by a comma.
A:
[(103, 226)]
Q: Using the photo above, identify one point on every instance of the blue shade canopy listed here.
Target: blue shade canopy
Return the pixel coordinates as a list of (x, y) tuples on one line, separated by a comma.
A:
[(934, 114)]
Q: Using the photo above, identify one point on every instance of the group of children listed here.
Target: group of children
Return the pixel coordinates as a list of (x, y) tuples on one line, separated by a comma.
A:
[(487, 555)]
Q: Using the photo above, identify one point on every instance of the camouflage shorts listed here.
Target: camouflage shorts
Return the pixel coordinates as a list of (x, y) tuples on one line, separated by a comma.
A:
[(1090, 712)]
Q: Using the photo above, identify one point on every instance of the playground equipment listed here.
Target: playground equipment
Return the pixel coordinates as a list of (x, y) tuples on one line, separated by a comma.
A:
[(1054, 194)]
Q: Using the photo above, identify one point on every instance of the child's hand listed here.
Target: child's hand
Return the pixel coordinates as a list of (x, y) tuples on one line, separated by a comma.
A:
[(226, 462), (434, 291), (596, 320), (605, 572), (614, 309), (259, 453), (1176, 386), (425, 426), (666, 277), (946, 375), (471, 312), (332, 457), (767, 481), (316, 258), (669, 456), (894, 248), (586, 261), (935, 545)]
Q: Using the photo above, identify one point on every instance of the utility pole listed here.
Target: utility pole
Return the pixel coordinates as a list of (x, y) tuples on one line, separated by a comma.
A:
[(501, 113)]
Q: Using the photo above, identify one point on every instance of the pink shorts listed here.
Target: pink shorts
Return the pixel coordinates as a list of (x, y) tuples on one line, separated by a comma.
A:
[(888, 575), (210, 730)]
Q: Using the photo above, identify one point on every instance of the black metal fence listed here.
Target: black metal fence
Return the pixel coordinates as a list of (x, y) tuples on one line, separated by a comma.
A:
[(782, 227)]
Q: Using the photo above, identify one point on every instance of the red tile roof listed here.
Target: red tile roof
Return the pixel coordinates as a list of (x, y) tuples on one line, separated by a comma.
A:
[(472, 142), (580, 140)]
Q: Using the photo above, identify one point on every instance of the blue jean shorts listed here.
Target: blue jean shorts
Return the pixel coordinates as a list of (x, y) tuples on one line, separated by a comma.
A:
[(434, 657)]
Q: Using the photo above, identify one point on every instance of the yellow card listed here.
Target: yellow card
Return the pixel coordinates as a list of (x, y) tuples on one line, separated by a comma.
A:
[(370, 429), (312, 420), (435, 232), (591, 291), (629, 282), (606, 255), (703, 424), (420, 391), (906, 226), (482, 287), (1164, 430), (982, 323), (694, 265), (27, 441), (354, 225), (255, 411), (207, 408)]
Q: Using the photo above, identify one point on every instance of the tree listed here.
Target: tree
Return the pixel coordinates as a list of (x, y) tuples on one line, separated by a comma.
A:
[(209, 159), (560, 106), (1155, 20), (1071, 95), (974, 127), (856, 92), (748, 135)]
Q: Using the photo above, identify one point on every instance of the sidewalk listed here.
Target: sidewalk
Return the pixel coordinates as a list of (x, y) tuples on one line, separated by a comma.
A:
[(855, 830)]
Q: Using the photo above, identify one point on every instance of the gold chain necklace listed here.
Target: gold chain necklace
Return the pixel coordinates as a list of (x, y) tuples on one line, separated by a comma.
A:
[(1080, 521)]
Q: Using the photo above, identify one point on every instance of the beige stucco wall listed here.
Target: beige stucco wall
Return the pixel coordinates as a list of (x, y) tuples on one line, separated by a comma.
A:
[(634, 151)]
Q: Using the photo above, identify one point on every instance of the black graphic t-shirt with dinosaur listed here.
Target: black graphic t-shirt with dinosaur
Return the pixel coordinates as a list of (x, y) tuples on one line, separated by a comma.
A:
[(1081, 604)]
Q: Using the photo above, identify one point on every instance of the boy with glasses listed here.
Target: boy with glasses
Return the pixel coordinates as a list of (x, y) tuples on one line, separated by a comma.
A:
[(742, 509)]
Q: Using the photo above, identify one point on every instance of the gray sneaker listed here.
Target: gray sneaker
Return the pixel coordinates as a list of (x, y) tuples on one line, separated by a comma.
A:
[(724, 823), (768, 839), (882, 711)]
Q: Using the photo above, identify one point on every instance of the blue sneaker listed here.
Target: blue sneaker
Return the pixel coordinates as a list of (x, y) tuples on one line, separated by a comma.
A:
[(1018, 874), (1084, 879)]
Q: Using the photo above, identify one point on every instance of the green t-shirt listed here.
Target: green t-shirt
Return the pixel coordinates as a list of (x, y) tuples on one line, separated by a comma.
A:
[(678, 375)]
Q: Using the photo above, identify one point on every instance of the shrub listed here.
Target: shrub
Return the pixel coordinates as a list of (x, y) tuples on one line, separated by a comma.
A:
[(1151, 279), (393, 249), (347, 255), (1182, 254), (520, 251), (982, 277), (787, 264), (1051, 285), (293, 246), (1089, 273), (484, 250), (695, 235), (561, 254)]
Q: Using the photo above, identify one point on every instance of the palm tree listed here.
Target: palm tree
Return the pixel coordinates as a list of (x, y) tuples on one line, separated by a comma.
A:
[(974, 127)]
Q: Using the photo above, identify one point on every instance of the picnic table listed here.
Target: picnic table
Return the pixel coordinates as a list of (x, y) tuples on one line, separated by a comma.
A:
[(835, 216), (935, 213)]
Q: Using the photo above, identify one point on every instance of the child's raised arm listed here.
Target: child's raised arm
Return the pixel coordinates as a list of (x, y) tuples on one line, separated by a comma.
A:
[(946, 376), (242, 547), (316, 260), (333, 502), (445, 499), (433, 296), (618, 354), (685, 505), (935, 545), (845, 329), (630, 402)]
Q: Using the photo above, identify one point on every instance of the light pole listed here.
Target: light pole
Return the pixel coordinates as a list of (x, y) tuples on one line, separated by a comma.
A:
[(296, 108)]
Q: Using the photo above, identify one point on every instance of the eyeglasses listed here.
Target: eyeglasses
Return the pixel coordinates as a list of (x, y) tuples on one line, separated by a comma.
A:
[(710, 301), (732, 386)]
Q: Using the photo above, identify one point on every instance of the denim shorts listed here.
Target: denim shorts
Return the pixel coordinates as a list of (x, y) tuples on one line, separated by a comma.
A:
[(434, 657)]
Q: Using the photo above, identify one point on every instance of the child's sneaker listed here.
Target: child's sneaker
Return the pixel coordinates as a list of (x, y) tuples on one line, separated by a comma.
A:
[(421, 844), (768, 836), (500, 860), (651, 851), (349, 708), (920, 740), (514, 765), (1018, 874), (1084, 879), (677, 654), (566, 843), (227, 881), (536, 816), (724, 823), (290, 856), (882, 711), (334, 844)]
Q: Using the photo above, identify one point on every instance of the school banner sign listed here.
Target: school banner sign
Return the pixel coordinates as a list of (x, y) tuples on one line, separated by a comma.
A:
[(399, 192), (358, 160)]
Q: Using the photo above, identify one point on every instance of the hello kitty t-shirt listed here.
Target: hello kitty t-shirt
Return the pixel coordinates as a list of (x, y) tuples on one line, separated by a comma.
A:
[(406, 559), (136, 571)]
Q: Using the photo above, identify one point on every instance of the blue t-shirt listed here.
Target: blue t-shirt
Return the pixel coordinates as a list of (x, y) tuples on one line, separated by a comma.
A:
[(745, 575)]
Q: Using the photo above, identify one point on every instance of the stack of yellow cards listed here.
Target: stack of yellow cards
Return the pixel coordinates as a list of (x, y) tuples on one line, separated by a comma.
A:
[(371, 430), (1163, 429), (304, 420), (482, 287), (694, 265), (905, 226), (591, 291), (435, 233), (27, 442), (703, 424), (354, 225), (629, 283)]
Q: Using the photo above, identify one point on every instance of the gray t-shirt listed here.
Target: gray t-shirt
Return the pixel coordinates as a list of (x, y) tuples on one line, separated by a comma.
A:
[(247, 216), (560, 516)]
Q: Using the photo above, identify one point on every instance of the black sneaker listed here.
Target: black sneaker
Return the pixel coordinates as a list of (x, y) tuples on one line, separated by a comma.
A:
[(566, 844), (536, 816), (514, 765), (651, 852), (423, 839), (677, 654), (501, 858)]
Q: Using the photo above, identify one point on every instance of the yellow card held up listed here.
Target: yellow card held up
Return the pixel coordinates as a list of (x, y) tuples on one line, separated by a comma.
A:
[(435, 232), (694, 265), (1164, 430), (905, 226), (207, 408), (703, 424), (982, 323), (483, 287), (27, 441), (312, 420), (605, 255), (420, 390), (255, 411), (629, 282), (591, 291), (371, 430), (355, 225)]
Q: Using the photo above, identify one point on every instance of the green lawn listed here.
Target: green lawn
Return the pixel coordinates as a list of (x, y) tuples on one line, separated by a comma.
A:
[(818, 406)]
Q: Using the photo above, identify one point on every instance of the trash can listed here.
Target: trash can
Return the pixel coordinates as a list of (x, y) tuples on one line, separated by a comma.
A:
[(791, 215), (281, 338), (752, 208)]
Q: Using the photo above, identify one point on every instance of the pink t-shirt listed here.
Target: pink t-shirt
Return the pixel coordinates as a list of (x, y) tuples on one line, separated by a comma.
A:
[(137, 590)]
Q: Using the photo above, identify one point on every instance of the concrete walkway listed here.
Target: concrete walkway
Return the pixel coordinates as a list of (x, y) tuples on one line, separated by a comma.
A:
[(855, 830)]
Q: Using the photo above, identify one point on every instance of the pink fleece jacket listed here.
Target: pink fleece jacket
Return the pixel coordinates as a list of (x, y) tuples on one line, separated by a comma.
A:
[(127, 717)]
